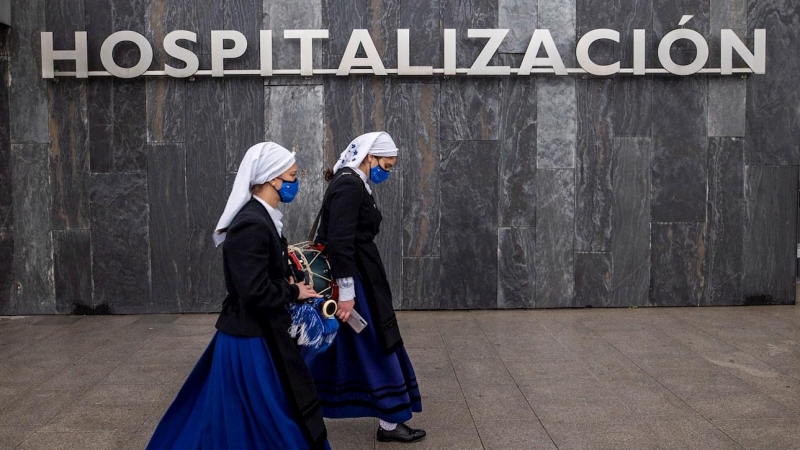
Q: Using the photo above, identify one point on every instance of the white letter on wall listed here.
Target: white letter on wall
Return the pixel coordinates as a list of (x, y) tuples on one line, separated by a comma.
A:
[(219, 53), (582, 52), (403, 56), (481, 64), (306, 55), (145, 54), (265, 46), (173, 49), (449, 51), (553, 58), (373, 59), (666, 59), (79, 55), (757, 61)]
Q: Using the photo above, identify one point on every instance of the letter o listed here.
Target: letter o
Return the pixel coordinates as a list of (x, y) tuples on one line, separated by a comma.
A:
[(145, 54), (666, 45)]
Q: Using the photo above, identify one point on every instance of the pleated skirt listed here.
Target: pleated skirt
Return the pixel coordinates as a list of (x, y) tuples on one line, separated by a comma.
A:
[(354, 378), (233, 399)]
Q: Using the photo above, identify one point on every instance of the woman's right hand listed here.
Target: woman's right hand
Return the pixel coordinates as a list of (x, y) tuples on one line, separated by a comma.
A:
[(306, 291)]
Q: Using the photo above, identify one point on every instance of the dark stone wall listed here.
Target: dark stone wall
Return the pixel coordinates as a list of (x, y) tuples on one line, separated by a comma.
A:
[(511, 192)]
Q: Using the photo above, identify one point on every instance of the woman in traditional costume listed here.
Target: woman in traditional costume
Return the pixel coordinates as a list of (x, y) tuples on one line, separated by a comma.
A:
[(366, 374), (251, 388)]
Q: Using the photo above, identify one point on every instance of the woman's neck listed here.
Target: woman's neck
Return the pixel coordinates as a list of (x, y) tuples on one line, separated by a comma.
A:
[(269, 195)]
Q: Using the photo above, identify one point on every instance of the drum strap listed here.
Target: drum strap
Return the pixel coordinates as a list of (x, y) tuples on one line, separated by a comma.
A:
[(313, 233)]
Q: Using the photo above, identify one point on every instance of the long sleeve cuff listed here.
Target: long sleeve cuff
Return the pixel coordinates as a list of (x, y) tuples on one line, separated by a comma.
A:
[(347, 288)]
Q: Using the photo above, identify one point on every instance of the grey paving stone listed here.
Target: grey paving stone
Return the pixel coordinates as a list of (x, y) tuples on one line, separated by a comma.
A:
[(514, 434), (498, 402), (601, 436)]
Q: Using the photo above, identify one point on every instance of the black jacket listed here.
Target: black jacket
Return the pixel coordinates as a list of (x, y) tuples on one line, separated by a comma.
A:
[(350, 221), (255, 262)]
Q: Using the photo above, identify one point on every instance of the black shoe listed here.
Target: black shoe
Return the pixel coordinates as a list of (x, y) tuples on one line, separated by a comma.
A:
[(402, 433)]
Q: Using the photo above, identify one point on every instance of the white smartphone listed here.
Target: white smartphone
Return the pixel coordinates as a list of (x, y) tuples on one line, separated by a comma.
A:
[(356, 322)]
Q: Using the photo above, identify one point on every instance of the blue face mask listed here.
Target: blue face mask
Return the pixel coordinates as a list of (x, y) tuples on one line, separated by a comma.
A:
[(288, 190), (378, 175)]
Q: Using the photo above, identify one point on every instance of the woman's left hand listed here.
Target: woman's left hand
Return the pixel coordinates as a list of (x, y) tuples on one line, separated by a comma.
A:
[(343, 313)]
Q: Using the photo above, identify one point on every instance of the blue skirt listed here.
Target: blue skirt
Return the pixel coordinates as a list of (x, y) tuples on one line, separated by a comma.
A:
[(233, 399), (354, 378)]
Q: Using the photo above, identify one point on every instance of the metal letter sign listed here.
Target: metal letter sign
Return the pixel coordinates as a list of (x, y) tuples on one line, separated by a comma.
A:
[(231, 44)]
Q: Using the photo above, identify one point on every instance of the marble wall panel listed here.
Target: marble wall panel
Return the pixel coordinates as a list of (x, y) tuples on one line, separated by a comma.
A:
[(341, 17), (462, 15), (120, 242), (520, 17), (202, 16), (344, 115), (244, 118), (72, 263), (555, 238), (423, 20), (381, 19), (7, 284), (560, 16), (772, 98), (27, 93), (516, 277), (632, 15), (470, 109), (677, 259), (418, 139), (281, 15), (679, 150), (557, 123), (166, 110), (630, 230), (731, 14), (129, 151), (724, 257), (300, 130), (633, 106), (666, 16), (206, 189), (517, 159), (206, 289), (246, 17), (469, 238), (593, 279), (34, 289), (385, 106), (169, 253), (422, 287), (69, 154), (593, 180), (100, 105), (770, 234), (726, 107), (6, 193)]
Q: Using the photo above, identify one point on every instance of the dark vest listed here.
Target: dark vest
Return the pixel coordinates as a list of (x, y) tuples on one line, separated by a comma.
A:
[(256, 269), (350, 221)]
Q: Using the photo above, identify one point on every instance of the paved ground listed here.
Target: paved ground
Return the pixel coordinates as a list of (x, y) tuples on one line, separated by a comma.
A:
[(713, 378)]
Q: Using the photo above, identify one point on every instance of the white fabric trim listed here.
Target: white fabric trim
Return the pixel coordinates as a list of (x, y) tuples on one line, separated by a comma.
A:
[(388, 426), (347, 289), (274, 214)]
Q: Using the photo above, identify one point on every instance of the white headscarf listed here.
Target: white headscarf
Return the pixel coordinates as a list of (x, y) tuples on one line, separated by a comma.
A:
[(263, 162), (377, 143)]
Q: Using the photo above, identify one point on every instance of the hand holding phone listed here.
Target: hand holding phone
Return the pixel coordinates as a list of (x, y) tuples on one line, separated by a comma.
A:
[(356, 322)]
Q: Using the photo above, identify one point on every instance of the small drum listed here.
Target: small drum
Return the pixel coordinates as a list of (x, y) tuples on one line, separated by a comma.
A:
[(308, 258)]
